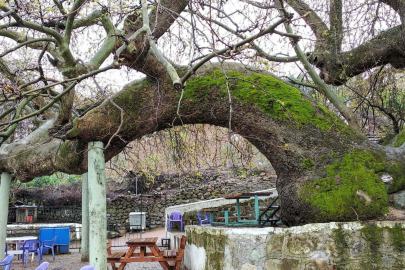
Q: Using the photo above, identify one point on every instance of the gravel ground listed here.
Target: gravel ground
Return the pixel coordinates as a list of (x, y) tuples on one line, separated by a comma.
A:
[(72, 261)]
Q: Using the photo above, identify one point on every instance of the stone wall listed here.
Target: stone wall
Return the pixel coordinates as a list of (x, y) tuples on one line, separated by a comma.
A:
[(354, 246), (154, 205)]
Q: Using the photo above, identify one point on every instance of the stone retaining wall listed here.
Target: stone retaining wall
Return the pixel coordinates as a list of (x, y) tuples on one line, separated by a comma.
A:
[(354, 246), (118, 209)]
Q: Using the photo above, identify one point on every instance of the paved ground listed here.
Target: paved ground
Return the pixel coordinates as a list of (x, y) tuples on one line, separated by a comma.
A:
[(72, 261)]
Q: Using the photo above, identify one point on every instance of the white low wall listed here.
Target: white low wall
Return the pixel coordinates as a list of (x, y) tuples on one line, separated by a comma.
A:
[(354, 246)]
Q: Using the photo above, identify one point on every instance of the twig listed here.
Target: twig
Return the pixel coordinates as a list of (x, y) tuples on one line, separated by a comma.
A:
[(356, 214), (121, 122)]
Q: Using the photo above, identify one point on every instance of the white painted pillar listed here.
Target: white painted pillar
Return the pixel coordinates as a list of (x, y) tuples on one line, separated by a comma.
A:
[(85, 219), (4, 201), (97, 206)]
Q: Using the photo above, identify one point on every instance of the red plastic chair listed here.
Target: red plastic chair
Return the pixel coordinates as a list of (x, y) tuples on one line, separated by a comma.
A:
[(176, 216)]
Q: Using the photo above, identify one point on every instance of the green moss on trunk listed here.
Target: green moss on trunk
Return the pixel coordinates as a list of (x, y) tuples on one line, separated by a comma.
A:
[(399, 139), (271, 95), (337, 198)]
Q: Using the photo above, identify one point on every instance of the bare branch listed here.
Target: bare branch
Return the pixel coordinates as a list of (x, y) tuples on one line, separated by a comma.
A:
[(28, 42), (57, 98), (237, 45)]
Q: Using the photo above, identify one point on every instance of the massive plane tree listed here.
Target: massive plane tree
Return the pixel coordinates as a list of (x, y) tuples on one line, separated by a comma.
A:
[(202, 62)]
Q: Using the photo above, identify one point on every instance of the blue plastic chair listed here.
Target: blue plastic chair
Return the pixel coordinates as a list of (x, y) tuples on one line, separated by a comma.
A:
[(43, 266), (203, 218), (175, 217), (7, 262), (49, 244), (88, 267), (32, 246)]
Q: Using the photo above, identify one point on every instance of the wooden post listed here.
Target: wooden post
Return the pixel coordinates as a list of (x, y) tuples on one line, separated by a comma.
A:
[(4, 201), (85, 219), (97, 206)]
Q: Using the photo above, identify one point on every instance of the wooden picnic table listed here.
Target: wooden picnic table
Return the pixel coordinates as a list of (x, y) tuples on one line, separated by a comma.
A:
[(155, 255)]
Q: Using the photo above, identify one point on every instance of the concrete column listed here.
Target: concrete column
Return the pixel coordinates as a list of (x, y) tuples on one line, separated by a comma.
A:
[(97, 206), (4, 201), (85, 219)]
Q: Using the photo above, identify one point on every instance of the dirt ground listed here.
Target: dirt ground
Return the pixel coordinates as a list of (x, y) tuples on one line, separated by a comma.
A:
[(72, 260)]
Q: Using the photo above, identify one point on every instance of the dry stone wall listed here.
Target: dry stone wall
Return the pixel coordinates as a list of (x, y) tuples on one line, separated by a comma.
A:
[(154, 204)]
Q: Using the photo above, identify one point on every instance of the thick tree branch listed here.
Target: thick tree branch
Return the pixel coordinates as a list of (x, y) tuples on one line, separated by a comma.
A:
[(177, 83), (32, 25), (141, 59), (57, 98), (398, 6), (108, 46), (318, 26), (336, 25), (333, 98), (387, 48), (6, 134), (70, 19)]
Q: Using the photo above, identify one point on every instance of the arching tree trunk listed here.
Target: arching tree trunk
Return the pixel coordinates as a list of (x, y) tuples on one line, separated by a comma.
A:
[(326, 172)]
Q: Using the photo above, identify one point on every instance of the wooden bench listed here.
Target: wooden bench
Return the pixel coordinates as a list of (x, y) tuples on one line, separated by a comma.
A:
[(174, 257), (116, 256)]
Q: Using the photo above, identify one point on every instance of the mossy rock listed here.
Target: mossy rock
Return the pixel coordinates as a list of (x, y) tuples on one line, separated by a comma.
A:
[(399, 139)]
